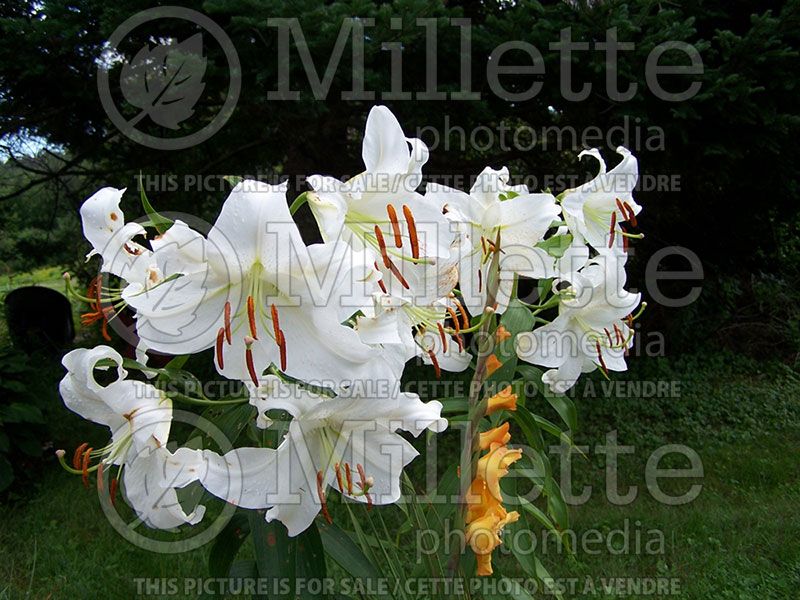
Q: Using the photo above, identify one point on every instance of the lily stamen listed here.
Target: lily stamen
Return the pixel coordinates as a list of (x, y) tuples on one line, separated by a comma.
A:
[(248, 358), (436, 368), (251, 317), (276, 324), (76, 458), (396, 272), (338, 471), (112, 492), (85, 466), (454, 319), (443, 336), (398, 237), (600, 358), (380, 281), (321, 494), (463, 312), (365, 485), (631, 215), (227, 315), (627, 212), (618, 332), (382, 247), (282, 350), (280, 339), (412, 230), (220, 340), (349, 477)]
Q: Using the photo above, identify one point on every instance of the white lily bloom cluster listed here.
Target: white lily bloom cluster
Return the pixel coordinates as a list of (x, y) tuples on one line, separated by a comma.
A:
[(394, 279)]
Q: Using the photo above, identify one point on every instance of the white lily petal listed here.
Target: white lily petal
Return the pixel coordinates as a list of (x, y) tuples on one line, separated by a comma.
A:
[(151, 493)]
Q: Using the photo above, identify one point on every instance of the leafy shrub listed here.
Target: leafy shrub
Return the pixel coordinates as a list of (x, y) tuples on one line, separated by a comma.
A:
[(22, 423)]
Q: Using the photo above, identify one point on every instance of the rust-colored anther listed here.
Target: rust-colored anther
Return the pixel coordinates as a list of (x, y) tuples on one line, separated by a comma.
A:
[(276, 324), (608, 335), (454, 319), (251, 317), (321, 494), (77, 457), (436, 368), (398, 237), (251, 368), (480, 280), (396, 272), (483, 245), (600, 357), (620, 337), (282, 350), (631, 215), (349, 478), (337, 468), (380, 281), (460, 342), (613, 231), (364, 485), (227, 314), (412, 230), (624, 239), (85, 466), (100, 468), (623, 213), (443, 336), (382, 247), (220, 340), (463, 312), (112, 492)]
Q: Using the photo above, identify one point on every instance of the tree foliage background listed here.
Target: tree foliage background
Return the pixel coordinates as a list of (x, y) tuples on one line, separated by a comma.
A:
[(733, 145)]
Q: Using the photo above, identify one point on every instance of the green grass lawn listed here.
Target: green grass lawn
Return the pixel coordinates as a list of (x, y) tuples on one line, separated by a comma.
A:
[(739, 539)]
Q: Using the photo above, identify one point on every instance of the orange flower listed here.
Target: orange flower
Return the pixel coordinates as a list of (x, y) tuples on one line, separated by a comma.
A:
[(504, 399), (494, 465), (498, 435), (487, 517), (492, 364), (501, 334)]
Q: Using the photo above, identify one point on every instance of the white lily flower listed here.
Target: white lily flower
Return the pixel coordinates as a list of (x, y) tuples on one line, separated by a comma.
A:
[(379, 209), (493, 207), (593, 328), (256, 293), (139, 417), (596, 210), (406, 330), (348, 442), (111, 238)]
